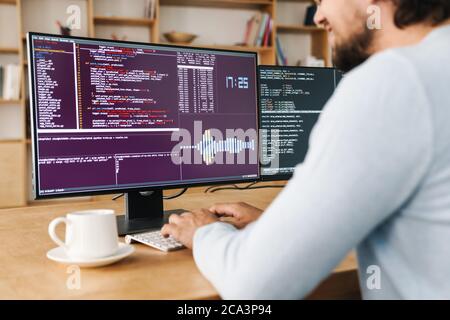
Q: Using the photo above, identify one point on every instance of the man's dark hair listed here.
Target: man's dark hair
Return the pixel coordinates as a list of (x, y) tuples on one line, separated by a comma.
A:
[(409, 12)]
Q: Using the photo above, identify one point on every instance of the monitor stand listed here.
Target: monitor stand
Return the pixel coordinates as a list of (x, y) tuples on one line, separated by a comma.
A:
[(144, 211)]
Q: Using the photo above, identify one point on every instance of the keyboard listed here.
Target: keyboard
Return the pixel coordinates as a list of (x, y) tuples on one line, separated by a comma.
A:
[(156, 240)]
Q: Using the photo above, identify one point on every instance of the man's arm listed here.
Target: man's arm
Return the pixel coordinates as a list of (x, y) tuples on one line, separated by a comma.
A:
[(368, 152)]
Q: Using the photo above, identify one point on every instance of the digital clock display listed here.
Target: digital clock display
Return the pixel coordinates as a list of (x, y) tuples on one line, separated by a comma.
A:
[(236, 82)]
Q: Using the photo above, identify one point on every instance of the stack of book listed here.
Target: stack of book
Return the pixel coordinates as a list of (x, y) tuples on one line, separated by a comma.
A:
[(150, 9), (10, 82), (258, 31)]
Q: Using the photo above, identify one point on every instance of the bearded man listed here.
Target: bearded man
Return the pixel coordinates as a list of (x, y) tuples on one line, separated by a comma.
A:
[(376, 176)]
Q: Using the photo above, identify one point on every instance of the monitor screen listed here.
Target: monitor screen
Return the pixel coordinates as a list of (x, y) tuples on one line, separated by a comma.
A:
[(111, 116), (291, 100)]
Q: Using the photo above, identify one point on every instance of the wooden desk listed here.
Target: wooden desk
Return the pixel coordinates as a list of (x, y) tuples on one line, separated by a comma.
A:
[(26, 273)]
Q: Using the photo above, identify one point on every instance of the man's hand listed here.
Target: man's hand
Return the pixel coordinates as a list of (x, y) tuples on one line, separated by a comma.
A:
[(238, 214), (182, 227)]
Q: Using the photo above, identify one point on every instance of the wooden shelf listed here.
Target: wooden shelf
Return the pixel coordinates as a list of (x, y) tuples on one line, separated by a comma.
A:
[(12, 140), (11, 2), (218, 3), (298, 28), (242, 48), (7, 50), (224, 47), (3, 101), (124, 21)]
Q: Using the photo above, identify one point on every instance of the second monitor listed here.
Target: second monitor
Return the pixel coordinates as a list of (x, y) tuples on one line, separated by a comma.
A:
[(291, 100)]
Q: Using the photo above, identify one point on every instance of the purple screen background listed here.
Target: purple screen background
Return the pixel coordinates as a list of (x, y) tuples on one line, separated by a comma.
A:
[(80, 161)]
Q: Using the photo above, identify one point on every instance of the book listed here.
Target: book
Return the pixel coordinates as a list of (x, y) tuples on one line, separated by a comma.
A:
[(1, 81), (150, 9), (281, 59), (253, 33), (153, 9), (247, 31), (262, 29), (268, 32), (11, 82)]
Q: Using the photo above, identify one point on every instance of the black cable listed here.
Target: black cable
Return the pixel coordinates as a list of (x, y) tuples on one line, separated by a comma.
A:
[(176, 195), (235, 187), (251, 186), (231, 186), (247, 186), (225, 187), (268, 187), (118, 196), (215, 186)]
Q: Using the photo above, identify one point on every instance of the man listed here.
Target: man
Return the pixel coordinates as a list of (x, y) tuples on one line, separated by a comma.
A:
[(377, 175)]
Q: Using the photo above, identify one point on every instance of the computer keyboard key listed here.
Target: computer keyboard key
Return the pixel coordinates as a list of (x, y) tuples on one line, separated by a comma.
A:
[(155, 240)]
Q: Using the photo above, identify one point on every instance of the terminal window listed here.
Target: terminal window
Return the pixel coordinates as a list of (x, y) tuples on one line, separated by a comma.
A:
[(291, 100), (104, 113)]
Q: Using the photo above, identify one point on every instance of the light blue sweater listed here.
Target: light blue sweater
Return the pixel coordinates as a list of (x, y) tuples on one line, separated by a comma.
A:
[(377, 177)]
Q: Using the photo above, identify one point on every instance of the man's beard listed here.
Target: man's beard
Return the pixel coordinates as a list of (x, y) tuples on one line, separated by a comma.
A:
[(354, 51)]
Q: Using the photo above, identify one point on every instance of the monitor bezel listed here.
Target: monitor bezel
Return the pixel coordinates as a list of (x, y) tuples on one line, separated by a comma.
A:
[(287, 176), (33, 119)]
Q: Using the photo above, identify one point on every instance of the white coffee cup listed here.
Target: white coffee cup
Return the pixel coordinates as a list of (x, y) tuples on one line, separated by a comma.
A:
[(90, 234)]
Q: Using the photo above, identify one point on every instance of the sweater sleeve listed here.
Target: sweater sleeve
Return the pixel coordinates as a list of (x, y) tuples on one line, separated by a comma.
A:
[(368, 153)]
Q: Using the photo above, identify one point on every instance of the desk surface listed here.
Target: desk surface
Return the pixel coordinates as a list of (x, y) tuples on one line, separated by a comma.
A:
[(26, 273)]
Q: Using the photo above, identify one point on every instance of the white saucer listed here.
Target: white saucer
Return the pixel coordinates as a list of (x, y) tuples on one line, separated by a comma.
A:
[(59, 255)]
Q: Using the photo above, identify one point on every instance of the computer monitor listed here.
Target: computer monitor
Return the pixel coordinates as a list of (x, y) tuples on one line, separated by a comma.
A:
[(125, 117), (291, 100)]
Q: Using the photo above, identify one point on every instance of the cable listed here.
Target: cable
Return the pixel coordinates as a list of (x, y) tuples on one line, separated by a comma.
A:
[(215, 186), (251, 186), (268, 187), (235, 187), (118, 196), (213, 189), (232, 186), (225, 187), (176, 195)]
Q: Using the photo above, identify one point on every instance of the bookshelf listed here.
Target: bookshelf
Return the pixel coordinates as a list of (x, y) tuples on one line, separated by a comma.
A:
[(13, 154), (123, 21), (7, 50), (10, 2), (219, 3), (298, 28), (8, 102), (220, 24), (292, 27)]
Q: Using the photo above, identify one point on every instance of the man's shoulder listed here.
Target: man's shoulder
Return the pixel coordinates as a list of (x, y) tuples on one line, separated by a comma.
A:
[(386, 82), (382, 75), (387, 66)]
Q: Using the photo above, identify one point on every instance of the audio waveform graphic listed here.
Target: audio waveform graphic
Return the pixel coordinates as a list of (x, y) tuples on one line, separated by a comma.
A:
[(209, 147)]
